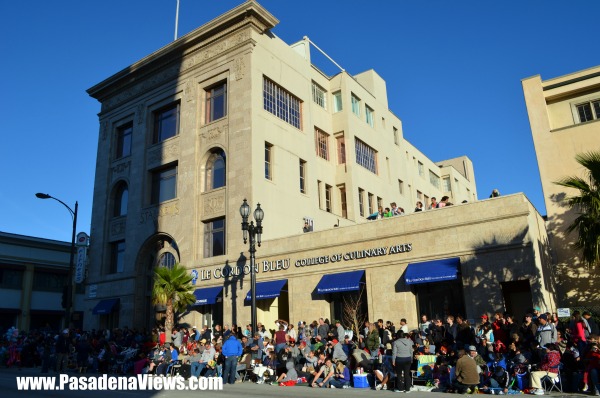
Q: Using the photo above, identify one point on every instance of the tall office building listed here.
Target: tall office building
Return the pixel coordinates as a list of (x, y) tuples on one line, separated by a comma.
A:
[(564, 114), (230, 111)]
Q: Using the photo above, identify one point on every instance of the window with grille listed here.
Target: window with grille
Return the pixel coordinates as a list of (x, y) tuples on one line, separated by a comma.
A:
[(214, 237), (366, 156), (322, 143), (319, 95), (281, 103), (588, 111)]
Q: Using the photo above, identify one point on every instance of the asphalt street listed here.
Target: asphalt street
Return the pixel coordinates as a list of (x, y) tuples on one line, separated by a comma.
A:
[(8, 389)]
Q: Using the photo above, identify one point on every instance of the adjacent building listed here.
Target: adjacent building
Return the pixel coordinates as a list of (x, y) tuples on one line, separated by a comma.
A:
[(564, 114), (231, 112), (33, 276)]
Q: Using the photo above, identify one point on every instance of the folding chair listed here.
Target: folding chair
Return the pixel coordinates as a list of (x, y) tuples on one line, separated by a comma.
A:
[(422, 375), (554, 383), (244, 374)]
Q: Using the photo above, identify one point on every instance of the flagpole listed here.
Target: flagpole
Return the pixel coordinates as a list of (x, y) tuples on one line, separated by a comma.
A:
[(176, 19)]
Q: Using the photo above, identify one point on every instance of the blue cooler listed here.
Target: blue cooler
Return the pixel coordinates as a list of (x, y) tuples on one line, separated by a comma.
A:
[(360, 381)]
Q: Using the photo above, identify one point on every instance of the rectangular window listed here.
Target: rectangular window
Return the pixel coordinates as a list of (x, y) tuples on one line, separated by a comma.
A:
[(397, 137), (216, 102), (268, 161), (370, 202), (124, 134), (446, 184), (48, 281), (343, 202), (401, 187), (355, 105), (164, 184), (361, 202), (421, 169), (281, 103), (328, 193), (420, 195), (117, 257), (319, 188), (365, 156), (588, 111), (434, 179), (341, 149), (166, 123), (370, 116), (322, 143), (379, 202), (383, 122), (319, 95), (214, 237), (12, 279), (337, 101), (302, 176)]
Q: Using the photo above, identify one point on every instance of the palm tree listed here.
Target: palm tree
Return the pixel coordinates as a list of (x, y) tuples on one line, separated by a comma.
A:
[(173, 289), (587, 204)]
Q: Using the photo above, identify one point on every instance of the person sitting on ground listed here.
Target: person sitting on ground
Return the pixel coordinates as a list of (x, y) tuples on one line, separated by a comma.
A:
[(289, 374), (466, 374), (385, 373), (324, 376), (341, 376), (498, 379)]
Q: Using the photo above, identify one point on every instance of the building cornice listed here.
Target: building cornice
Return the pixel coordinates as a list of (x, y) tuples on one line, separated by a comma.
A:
[(202, 40)]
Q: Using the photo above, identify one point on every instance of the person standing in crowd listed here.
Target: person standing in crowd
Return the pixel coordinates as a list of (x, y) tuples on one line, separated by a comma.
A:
[(231, 351), (419, 206), (62, 349), (402, 355)]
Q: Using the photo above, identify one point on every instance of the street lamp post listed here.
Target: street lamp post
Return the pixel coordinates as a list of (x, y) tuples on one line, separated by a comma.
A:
[(254, 233), (69, 300)]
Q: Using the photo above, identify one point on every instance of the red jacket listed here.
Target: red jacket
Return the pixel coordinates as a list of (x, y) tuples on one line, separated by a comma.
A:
[(550, 362)]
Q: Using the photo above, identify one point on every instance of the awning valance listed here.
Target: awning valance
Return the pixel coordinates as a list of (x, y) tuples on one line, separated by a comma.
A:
[(105, 306), (432, 271), (342, 282), (209, 295), (267, 290)]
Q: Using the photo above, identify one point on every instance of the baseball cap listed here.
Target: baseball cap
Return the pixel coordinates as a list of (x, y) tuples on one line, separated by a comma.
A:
[(472, 348), (334, 341), (484, 316), (543, 316)]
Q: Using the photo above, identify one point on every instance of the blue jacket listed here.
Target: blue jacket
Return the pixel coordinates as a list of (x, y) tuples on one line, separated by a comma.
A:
[(232, 347)]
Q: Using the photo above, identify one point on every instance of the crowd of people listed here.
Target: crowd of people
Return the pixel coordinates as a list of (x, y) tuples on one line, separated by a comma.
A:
[(496, 355)]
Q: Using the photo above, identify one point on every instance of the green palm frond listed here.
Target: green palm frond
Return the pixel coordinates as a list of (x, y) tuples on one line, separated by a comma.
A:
[(587, 205), (173, 284)]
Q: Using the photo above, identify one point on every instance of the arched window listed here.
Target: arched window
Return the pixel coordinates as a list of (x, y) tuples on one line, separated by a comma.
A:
[(121, 198), (167, 260), (215, 170)]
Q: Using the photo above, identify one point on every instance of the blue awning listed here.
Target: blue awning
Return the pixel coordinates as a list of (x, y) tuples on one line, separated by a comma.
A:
[(209, 295), (267, 290), (432, 271), (105, 306), (343, 282)]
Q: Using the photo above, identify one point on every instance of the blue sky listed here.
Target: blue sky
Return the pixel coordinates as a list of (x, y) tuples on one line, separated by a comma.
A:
[(453, 71)]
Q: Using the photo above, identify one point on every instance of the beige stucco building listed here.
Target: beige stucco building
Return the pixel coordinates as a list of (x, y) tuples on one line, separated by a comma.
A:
[(564, 114), (229, 112)]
